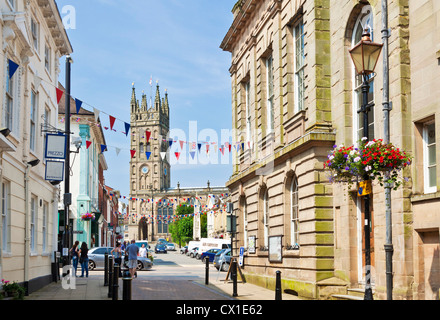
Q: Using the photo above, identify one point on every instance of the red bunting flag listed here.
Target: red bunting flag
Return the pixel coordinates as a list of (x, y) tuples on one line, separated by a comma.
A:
[(181, 144), (132, 153), (177, 155), (59, 94), (112, 122), (88, 143), (148, 133)]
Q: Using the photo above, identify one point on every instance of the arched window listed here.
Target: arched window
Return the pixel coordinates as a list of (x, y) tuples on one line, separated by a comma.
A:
[(294, 221), (364, 20)]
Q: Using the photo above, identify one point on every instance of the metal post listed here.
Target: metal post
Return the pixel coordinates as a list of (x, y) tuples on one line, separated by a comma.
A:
[(207, 270), (386, 115), (105, 269), (66, 235), (110, 276), (234, 277), (278, 295), (367, 221), (115, 282), (126, 288)]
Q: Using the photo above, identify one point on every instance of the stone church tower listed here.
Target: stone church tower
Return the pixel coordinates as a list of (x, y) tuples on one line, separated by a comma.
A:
[(149, 167)]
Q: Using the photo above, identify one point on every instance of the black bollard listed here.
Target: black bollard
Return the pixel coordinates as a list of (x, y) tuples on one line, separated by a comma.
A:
[(278, 286), (110, 276), (207, 271), (234, 278), (105, 269), (126, 287), (115, 282)]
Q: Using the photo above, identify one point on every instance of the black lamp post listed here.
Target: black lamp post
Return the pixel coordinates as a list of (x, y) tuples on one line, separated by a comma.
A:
[(365, 55)]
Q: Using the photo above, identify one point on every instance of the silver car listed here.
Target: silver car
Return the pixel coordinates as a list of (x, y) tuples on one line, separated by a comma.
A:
[(97, 256)]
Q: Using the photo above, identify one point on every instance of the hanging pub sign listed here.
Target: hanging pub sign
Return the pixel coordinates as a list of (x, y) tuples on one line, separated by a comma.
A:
[(55, 147), (364, 188), (54, 170)]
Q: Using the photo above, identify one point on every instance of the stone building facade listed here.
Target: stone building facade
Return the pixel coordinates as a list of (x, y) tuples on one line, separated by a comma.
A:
[(294, 95), (33, 37)]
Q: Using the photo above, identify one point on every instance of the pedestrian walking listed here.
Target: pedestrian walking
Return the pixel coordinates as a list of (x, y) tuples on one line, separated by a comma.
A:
[(84, 259), (117, 255), (74, 253), (132, 251), (143, 251)]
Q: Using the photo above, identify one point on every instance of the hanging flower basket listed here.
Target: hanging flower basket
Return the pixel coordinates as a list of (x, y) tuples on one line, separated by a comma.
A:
[(371, 159), (87, 216)]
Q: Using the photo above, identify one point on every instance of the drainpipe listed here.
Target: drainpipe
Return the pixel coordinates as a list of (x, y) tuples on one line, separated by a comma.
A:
[(27, 248), (386, 114)]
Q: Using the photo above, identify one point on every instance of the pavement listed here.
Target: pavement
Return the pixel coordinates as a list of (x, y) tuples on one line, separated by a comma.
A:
[(145, 288)]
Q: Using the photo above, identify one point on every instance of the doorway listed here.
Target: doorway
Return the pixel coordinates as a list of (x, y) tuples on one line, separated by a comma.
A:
[(361, 239)]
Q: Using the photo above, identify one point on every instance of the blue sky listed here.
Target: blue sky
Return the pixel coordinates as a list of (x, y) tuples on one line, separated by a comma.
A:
[(118, 42)]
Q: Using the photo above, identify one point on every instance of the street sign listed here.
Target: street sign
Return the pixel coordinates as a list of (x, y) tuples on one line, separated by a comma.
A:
[(54, 170), (55, 147), (364, 188), (240, 258)]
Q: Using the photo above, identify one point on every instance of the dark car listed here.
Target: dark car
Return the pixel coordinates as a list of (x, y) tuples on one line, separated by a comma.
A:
[(210, 254), (160, 247)]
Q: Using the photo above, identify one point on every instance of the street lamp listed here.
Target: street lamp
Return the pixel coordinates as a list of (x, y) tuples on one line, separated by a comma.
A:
[(365, 55)]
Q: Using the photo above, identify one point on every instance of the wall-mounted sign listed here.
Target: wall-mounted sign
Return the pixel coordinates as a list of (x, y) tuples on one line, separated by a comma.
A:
[(275, 247), (54, 170), (364, 188), (55, 146), (251, 244)]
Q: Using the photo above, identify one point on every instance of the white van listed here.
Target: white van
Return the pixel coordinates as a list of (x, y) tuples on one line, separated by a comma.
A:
[(208, 243), (191, 246)]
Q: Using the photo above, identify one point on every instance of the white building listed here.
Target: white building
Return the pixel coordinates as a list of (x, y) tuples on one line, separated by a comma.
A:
[(33, 37)]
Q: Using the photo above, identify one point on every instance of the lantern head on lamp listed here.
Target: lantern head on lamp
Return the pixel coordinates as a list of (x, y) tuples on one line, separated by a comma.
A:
[(365, 54)]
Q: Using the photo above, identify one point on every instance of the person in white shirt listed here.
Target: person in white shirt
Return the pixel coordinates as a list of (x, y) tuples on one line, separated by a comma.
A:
[(143, 251)]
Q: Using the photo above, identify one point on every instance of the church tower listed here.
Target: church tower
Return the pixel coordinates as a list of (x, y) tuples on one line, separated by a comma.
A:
[(149, 167)]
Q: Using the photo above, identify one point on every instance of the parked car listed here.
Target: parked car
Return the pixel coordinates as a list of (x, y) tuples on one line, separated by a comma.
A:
[(184, 250), (223, 260), (210, 254), (171, 247), (193, 252), (97, 259), (216, 261), (162, 240), (160, 247)]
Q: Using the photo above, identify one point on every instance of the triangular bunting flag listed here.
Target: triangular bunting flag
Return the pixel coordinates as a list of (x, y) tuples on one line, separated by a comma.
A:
[(12, 68), (199, 145), (96, 112), (148, 133), (148, 154), (112, 122), (117, 150), (59, 95), (162, 155), (127, 128), (88, 143), (170, 142), (192, 153), (132, 153), (78, 104), (103, 147), (37, 81), (177, 155), (181, 144)]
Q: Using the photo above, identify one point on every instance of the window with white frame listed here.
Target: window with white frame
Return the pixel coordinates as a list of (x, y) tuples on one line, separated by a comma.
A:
[(33, 227), (365, 20), (429, 158), (294, 221), (47, 58), (35, 33), (44, 226), (270, 94), (266, 219), (5, 216), (245, 224), (299, 62), (9, 105), (247, 87), (33, 120)]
